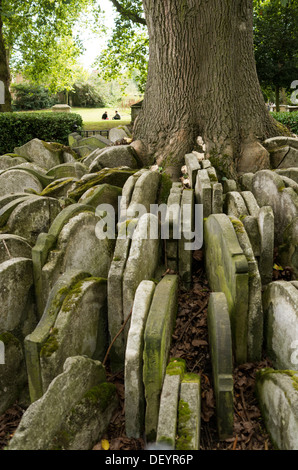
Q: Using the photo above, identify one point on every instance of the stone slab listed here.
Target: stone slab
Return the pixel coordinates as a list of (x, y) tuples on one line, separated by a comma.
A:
[(193, 166), (189, 414), (16, 181)]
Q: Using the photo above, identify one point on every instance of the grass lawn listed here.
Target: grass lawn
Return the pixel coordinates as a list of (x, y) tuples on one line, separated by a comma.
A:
[(92, 117)]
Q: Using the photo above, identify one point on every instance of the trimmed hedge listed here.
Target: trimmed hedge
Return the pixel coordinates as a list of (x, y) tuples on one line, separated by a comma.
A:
[(16, 129), (290, 120)]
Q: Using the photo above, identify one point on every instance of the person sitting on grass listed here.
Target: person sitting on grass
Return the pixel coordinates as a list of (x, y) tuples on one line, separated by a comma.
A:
[(117, 115), (105, 115)]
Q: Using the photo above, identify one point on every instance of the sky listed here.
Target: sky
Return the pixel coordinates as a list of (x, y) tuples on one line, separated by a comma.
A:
[(93, 44)]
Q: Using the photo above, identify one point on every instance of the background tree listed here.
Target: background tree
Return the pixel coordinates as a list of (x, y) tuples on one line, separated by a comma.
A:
[(33, 28), (276, 44)]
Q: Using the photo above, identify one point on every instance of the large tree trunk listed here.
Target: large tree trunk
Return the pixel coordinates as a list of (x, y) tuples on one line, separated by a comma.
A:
[(202, 80), (4, 71)]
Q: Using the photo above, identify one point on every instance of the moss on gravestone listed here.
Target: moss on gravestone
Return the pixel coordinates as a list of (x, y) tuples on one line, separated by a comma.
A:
[(51, 345)]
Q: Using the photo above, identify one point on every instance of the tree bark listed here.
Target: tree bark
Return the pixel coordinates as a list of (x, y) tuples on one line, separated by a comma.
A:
[(4, 70), (202, 80)]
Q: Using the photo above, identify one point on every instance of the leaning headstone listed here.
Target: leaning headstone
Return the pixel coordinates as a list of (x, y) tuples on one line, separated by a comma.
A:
[(38, 337), (117, 133), (277, 392), (102, 194), (13, 246), (266, 230), (217, 198), (173, 224), (234, 205), (227, 272), (255, 310), (42, 421), (280, 303), (112, 157), (6, 161), (18, 181), (33, 216), (219, 330), (80, 328), (40, 152), (289, 173), (68, 170), (193, 166), (187, 229), (94, 142), (58, 188), (77, 247), (134, 389), (203, 191), (189, 413), (13, 377), (144, 193), (167, 418), (115, 281), (157, 341), (288, 251), (251, 203)]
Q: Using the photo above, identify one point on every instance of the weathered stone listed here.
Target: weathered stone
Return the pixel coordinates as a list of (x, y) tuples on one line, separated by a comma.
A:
[(77, 247), (289, 183), (284, 157), (266, 230), (39, 152), (115, 281), (17, 181), (145, 193), (83, 151), (6, 210), (189, 413), (13, 377), (255, 310), (113, 176), (248, 161), (173, 224), (269, 190), (127, 192), (139, 265), (229, 186), (73, 138), (252, 229), (203, 192), (205, 164), (219, 330), (288, 251), (35, 170), (7, 161), (234, 205), (157, 341), (217, 198), (94, 142), (116, 133), (227, 272), (33, 216), (187, 230), (113, 157), (16, 280), (251, 203), (68, 170), (134, 389), (58, 188), (13, 246), (193, 166), (289, 172), (167, 418), (278, 399), (42, 421), (102, 194), (246, 181), (80, 328), (87, 161), (280, 303), (35, 340)]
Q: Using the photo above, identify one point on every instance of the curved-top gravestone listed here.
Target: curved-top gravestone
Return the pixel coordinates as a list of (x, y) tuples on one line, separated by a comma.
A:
[(227, 272)]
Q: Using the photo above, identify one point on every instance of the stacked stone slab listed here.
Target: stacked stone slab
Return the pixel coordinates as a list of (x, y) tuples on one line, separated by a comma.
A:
[(157, 341), (220, 340), (288, 250), (193, 166), (227, 272), (173, 225), (208, 190), (259, 225), (283, 151), (277, 392), (74, 412), (134, 388), (45, 154), (112, 157), (280, 301)]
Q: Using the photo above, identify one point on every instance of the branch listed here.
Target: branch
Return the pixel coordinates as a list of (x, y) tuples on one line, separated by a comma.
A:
[(134, 17)]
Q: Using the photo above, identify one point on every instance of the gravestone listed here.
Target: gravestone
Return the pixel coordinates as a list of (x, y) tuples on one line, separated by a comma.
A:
[(167, 418), (189, 413), (134, 389), (187, 230), (219, 330), (157, 341), (13, 246), (42, 153), (113, 157), (278, 399), (44, 418), (18, 181), (227, 272), (203, 191), (193, 166), (288, 251), (280, 303)]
